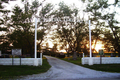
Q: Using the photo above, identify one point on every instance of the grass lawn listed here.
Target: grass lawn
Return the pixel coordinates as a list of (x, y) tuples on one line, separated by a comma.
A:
[(7, 72), (99, 67)]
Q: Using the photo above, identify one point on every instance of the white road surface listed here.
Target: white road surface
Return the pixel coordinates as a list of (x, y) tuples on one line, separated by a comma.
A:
[(62, 70)]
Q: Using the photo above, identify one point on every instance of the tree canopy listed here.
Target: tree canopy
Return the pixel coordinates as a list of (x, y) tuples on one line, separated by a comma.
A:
[(71, 33), (100, 12)]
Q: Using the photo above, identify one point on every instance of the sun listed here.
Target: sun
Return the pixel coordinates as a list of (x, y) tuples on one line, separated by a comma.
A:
[(98, 47)]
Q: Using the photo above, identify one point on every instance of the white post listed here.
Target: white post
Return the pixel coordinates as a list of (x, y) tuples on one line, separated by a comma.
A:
[(83, 55), (90, 59), (40, 55), (83, 60), (35, 60), (35, 37), (90, 38), (41, 58)]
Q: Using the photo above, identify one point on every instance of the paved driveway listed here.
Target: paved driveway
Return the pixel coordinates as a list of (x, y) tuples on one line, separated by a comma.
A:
[(62, 70)]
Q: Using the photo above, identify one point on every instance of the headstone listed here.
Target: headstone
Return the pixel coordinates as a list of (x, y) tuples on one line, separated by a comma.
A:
[(74, 56), (61, 53), (112, 55), (0, 53)]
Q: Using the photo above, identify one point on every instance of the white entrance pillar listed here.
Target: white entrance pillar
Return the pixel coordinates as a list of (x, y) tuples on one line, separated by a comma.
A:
[(35, 55), (35, 38), (41, 58), (90, 59), (90, 38)]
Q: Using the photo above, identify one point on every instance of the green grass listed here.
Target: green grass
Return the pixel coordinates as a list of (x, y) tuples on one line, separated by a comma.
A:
[(78, 61), (105, 67), (99, 67), (7, 72)]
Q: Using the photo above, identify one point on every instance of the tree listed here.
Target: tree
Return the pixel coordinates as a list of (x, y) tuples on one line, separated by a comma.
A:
[(71, 33), (96, 35), (64, 32), (108, 41), (3, 27), (99, 11), (44, 26), (22, 37), (22, 22), (55, 48), (23, 40)]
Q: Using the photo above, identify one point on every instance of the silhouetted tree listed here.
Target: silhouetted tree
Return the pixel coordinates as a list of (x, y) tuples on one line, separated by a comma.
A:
[(99, 11)]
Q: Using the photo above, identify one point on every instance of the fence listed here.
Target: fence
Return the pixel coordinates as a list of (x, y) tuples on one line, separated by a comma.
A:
[(105, 60), (17, 61)]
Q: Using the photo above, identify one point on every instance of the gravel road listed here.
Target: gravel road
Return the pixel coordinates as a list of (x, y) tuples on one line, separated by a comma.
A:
[(62, 70)]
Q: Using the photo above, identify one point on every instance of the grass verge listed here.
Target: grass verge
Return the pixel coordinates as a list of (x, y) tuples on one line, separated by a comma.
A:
[(7, 72), (99, 67)]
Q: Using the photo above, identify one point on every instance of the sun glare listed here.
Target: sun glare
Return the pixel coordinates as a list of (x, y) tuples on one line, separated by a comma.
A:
[(62, 51), (98, 47), (50, 44)]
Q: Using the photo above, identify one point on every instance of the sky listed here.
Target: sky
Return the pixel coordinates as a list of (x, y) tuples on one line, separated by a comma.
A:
[(69, 2), (77, 3)]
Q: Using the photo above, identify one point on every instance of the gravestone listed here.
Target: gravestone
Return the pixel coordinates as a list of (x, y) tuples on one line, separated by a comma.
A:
[(74, 55), (0, 53)]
